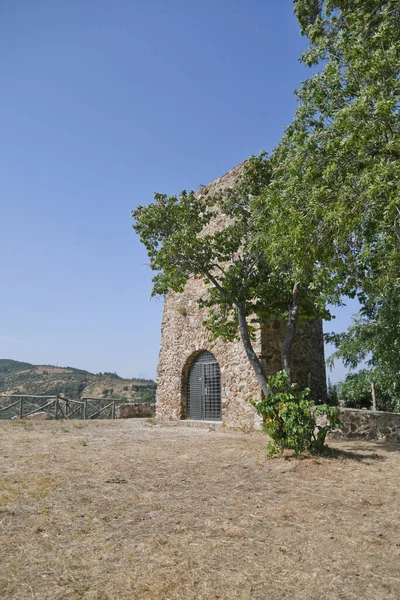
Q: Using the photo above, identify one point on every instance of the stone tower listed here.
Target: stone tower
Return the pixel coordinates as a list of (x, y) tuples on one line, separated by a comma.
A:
[(201, 379)]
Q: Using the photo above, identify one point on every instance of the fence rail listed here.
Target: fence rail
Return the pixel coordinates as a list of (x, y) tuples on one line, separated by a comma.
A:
[(95, 407), (21, 406)]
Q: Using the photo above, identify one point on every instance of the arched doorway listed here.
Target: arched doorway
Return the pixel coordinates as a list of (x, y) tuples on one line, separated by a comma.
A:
[(204, 388)]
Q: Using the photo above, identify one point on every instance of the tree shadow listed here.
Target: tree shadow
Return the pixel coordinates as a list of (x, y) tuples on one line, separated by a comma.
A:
[(367, 453), (357, 453), (382, 445), (361, 449)]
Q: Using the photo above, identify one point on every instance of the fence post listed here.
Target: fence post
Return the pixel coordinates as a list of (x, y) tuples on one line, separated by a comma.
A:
[(56, 409), (113, 410), (373, 396), (85, 408), (21, 407)]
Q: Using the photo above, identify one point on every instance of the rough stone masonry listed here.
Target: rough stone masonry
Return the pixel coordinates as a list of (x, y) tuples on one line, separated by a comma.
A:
[(184, 338)]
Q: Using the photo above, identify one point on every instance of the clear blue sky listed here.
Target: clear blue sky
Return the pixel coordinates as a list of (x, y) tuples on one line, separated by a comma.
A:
[(102, 104)]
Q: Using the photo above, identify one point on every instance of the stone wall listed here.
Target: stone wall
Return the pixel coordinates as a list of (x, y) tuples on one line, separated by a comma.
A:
[(368, 424), (183, 337), (38, 416), (308, 360)]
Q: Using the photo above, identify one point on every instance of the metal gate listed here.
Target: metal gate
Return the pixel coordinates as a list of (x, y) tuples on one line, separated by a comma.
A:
[(204, 388)]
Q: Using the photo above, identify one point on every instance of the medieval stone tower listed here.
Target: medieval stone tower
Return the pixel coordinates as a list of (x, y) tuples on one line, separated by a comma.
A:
[(202, 380)]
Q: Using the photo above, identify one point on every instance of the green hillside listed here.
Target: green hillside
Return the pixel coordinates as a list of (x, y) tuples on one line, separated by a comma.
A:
[(24, 378)]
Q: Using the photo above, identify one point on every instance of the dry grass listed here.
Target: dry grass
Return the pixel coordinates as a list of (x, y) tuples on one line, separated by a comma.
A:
[(131, 510)]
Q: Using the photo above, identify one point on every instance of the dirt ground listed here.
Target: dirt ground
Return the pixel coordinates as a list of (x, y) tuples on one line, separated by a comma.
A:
[(112, 510)]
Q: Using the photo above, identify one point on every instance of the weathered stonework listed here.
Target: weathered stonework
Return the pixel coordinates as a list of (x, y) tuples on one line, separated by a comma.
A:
[(368, 424), (183, 337)]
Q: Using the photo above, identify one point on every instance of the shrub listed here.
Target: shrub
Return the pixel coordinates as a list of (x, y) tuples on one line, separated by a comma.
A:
[(291, 420)]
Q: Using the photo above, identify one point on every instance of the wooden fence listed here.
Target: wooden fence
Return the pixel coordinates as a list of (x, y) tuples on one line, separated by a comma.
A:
[(16, 406)]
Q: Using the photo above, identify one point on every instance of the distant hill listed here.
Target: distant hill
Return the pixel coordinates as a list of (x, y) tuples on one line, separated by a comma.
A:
[(23, 378)]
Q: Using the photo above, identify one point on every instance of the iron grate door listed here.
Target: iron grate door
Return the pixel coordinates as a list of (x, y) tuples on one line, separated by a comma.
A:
[(204, 388)]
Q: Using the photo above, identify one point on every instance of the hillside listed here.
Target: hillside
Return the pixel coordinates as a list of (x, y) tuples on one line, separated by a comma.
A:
[(24, 378)]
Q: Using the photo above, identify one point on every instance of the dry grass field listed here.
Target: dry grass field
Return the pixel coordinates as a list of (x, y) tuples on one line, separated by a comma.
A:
[(114, 510)]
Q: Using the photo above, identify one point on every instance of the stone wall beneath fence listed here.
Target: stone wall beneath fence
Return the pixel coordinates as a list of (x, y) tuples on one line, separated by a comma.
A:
[(135, 410), (368, 424)]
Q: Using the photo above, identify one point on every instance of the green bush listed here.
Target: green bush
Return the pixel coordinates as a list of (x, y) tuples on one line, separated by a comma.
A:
[(291, 420)]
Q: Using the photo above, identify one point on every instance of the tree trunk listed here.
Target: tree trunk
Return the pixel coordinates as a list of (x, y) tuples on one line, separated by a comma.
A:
[(290, 332), (373, 395), (251, 355)]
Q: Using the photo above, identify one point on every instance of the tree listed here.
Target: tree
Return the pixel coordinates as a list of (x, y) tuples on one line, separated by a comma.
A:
[(244, 286), (333, 203), (336, 172), (374, 337), (356, 391)]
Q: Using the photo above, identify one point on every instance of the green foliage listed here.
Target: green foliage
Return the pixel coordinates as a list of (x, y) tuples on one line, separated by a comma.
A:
[(374, 337), (145, 391), (111, 375), (146, 395), (332, 394), (355, 391), (343, 149), (8, 365), (180, 245), (144, 382), (336, 172), (290, 419), (73, 389), (333, 203)]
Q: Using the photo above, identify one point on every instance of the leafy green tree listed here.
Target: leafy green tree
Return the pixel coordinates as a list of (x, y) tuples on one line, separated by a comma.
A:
[(355, 390), (374, 337), (336, 172), (333, 203), (244, 287)]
